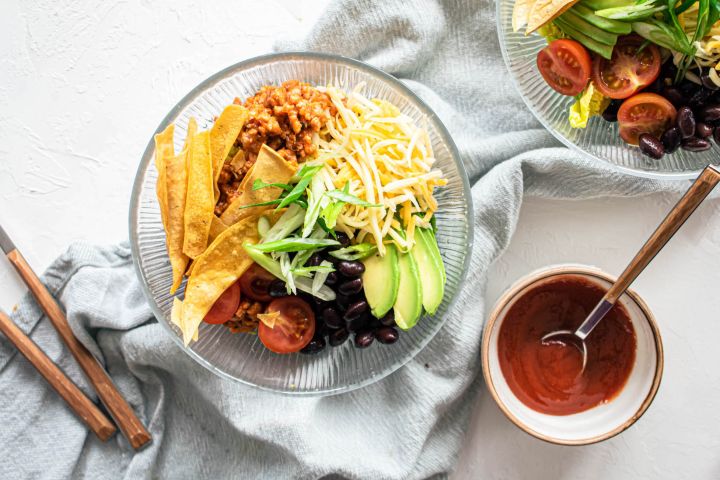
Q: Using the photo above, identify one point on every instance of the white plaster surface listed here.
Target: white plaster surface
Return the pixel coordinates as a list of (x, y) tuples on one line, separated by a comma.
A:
[(83, 84)]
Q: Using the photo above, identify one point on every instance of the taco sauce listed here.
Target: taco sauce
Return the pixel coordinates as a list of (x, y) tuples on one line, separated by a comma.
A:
[(547, 376)]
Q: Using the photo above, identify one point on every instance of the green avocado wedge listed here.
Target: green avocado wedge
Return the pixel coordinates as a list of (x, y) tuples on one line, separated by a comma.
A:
[(430, 269), (381, 281), (408, 306)]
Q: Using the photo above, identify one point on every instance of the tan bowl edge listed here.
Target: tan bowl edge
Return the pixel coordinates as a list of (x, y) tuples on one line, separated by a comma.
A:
[(564, 270)]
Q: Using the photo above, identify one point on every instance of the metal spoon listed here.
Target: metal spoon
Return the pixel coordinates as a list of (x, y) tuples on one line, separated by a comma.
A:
[(697, 192)]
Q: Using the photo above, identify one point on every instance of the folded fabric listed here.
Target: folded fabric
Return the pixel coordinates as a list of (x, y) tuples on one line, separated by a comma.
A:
[(409, 425)]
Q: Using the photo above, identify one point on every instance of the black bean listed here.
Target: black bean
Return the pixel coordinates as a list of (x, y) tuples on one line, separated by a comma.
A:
[(695, 144), (686, 122), (674, 96), (703, 130), (343, 239), (355, 309), (700, 97), (364, 339), (316, 345), (338, 337), (358, 323), (389, 319), (689, 88), (332, 318), (351, 287), (331, 279), (277, 289), (610, 113), (716, 135), (373, 323), (321, 330), (351, 268), (387, 335), (708, 83), (651, 146), (314, 260), (671, 139), (711, 113), (343, 301)]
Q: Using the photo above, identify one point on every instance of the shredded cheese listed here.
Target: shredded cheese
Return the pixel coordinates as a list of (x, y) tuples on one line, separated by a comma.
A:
[(385, 159)]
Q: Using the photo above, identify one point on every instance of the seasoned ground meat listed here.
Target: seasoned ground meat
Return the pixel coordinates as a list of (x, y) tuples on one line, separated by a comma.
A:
[(285, 118), (245, 319)]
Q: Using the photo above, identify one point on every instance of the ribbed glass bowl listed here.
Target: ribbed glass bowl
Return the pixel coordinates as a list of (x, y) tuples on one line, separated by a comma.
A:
[(600, 140), (242, 357)]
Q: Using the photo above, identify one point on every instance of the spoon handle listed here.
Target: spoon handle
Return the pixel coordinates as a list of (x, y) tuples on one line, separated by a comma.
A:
[(697, 192)]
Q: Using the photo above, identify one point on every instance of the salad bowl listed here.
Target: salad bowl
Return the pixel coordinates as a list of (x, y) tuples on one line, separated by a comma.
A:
[(243, 357)]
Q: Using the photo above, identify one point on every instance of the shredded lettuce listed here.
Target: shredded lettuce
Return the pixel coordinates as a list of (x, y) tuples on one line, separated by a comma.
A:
[(589, 103), (551, 32)]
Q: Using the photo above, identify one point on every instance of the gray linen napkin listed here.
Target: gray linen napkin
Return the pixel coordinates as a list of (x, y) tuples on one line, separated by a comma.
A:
[(409, 425)]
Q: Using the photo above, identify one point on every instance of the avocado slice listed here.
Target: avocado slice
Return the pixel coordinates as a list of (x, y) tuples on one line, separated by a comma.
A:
[(381, 281), (430, 268), (408, 306)]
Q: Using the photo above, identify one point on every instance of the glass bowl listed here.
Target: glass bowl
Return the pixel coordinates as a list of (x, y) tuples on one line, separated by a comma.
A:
[(600, 140), (242, 357)]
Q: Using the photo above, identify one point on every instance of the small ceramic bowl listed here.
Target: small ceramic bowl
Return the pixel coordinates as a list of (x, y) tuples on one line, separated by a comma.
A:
[(598, 423)]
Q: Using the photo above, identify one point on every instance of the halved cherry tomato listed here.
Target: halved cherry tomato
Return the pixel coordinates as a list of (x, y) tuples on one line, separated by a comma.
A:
[(565, 66), (629, 69), (294, 326), (645, 113), (225, 306), (255, 283)]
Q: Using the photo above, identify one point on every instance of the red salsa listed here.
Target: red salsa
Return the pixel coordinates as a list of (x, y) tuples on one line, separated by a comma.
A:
[(548, 376)]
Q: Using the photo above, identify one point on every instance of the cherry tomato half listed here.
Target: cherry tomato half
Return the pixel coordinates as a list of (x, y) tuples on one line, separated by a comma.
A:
[(255, 283), (645, 113), (565, 65), (225, 306), (629, 70), (294, 327)]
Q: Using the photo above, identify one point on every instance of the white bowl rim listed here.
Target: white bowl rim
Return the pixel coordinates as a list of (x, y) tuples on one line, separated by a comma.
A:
[(261, 59), (542, 274)]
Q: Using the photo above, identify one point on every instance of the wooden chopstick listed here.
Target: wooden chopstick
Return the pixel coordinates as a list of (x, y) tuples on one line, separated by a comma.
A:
[(75, 398), (115, 404)]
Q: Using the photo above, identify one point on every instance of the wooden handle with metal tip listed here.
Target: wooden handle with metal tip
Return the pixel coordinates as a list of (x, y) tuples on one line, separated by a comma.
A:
[(119, 410), (75, 398), (697, 192)]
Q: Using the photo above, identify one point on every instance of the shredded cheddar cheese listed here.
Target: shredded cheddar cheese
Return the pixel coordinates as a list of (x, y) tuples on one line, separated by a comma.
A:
[(385, 159)]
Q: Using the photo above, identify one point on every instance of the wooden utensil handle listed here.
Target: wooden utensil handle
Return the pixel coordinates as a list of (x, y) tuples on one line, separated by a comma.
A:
[(697, 192), (116, 405), (75, 398)]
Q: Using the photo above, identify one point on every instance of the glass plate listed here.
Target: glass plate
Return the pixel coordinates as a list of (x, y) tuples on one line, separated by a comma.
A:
[(242, 357), (600, 139)]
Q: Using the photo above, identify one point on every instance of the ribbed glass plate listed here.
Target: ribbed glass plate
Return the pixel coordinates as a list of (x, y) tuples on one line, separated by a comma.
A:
[(242, 357), (600, 139)]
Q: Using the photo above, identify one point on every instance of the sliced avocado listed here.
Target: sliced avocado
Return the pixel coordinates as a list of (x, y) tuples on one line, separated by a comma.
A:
[(408, 306), (597, 34), (604, 51), (381, 281), (607, 24), (430, 268)]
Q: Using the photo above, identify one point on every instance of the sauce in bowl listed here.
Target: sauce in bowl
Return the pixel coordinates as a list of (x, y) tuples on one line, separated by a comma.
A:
[(548, 377)]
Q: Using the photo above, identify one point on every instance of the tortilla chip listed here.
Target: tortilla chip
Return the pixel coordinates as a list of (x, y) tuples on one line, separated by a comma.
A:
[(164, 149), (200, 200), (222, 264), (176, 316), (521, 12), (544, 11), (175, 229), (216, 228), (270, 168), (224, 132)]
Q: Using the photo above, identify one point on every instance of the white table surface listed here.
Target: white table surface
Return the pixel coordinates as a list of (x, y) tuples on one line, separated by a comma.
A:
[(84, 84)]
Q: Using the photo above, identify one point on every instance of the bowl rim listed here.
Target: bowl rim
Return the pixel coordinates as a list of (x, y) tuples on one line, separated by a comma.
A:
[(264, 59), (688, 175), (545, 273)]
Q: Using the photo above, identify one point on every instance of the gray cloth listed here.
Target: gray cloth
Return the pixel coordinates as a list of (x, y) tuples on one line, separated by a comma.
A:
[(409, 425)]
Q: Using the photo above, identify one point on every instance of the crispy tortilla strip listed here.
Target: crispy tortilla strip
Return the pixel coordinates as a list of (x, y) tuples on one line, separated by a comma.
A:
[(176, 316), (175, 230), (200, 200), (216, 228), (224, 261), (270, 168), (544, 11), (163, 150), (224, 132), (521, 12)]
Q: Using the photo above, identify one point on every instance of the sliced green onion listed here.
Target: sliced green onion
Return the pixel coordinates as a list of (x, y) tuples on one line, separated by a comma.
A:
[(288, 222), (258, 184), (300, 187), (295, 244), (355, 252), (263, 226), (347, 198), (320, 277)]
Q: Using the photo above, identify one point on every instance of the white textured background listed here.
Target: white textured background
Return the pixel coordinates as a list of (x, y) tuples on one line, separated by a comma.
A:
[(84, 84)]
